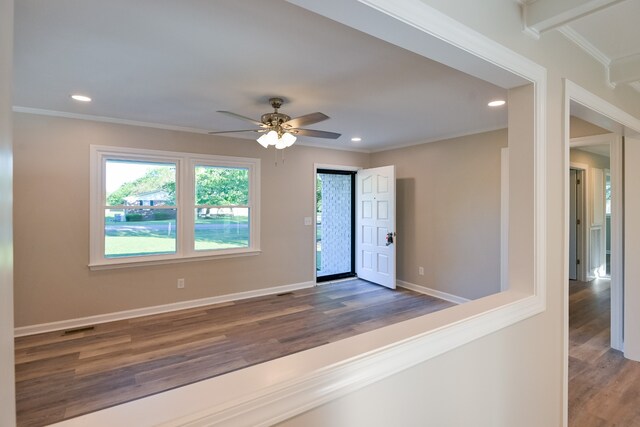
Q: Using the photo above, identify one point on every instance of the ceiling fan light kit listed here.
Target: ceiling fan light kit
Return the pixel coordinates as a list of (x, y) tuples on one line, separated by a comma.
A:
[(279, 129), (279, 141)]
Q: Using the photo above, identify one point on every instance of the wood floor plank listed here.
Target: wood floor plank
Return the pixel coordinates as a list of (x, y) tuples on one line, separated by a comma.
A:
[(62, 376), (52, 351), (133, 357), (604, 387)]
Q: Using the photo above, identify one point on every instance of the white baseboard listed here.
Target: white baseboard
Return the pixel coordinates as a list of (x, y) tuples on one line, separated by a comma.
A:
[(146, 311), (432, 292)]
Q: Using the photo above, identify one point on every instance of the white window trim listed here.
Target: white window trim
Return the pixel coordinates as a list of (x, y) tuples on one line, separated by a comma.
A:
[(185, 205)]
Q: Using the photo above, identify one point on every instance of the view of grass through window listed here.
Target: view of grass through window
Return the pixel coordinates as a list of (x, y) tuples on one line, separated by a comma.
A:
[(140, 212), (222, 211)]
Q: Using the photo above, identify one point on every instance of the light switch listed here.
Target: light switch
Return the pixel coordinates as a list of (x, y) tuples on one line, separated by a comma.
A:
[(307, 220)]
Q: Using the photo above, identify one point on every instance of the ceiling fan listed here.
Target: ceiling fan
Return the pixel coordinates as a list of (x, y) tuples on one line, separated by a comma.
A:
[(281, 130)]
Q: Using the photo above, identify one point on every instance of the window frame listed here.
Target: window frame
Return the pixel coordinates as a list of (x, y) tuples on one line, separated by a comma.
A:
[(184, 205)]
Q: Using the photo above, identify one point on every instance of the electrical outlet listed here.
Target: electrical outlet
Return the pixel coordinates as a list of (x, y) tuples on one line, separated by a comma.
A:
[(307, 220), (180, 283), (421, 271)]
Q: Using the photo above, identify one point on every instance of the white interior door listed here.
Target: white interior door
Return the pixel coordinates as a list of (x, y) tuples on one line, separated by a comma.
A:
[(376, 225)]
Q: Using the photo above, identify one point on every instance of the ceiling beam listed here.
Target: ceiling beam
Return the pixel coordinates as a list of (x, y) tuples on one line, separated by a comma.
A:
[(625, 70), (545, 15)]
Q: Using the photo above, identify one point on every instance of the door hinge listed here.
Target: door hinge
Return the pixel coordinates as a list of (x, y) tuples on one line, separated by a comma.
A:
[(578, 182), (577, 261), (577, 222)]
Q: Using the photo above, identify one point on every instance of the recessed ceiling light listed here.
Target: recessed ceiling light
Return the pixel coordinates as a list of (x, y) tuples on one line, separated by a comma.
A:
[(497, 103), (81, 98), (356, 139)]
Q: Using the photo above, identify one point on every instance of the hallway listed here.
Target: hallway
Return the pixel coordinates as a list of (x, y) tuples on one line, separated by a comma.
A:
[(604, 387)]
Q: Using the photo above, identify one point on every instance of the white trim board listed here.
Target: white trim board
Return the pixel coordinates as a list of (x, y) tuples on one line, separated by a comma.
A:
[(162, 126), (157, 309), (312, 144), (432, 292), (504, 219)]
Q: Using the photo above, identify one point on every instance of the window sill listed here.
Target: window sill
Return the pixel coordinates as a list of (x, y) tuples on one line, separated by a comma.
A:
[(126, 263)]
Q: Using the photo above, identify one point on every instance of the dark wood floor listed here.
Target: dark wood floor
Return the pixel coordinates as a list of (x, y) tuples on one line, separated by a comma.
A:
[(604, 387), (62, 376)]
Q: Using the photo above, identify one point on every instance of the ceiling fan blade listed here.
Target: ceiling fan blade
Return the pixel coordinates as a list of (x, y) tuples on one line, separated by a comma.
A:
[(316, 133), (307, 119), (234, 131), (238, 116)]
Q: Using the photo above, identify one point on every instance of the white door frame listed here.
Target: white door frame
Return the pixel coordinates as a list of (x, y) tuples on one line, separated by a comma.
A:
[(314, 220), (578, 94)]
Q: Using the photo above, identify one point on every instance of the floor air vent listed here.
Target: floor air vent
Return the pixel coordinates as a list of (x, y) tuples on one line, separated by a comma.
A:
[(78, 330)]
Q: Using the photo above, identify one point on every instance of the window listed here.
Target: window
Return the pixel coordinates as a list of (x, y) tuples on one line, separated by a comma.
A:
[(140, 210)]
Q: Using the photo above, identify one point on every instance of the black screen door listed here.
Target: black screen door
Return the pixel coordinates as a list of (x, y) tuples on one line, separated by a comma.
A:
[(335, 220)]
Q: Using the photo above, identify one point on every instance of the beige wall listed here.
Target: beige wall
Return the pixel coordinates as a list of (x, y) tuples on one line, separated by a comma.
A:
[(51, 222), (591, 159), (7, 392), (460, 252), (581, 128), (521, 235), (448, 213)]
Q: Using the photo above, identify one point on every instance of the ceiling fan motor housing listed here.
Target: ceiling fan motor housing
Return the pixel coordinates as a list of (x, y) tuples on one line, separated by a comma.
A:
[(275, 119)]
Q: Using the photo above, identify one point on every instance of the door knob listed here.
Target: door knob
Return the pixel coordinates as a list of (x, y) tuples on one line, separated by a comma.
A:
[(389, 238)]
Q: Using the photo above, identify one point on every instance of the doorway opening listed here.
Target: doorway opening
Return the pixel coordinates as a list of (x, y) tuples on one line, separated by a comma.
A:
[(576, 221), (335, 224), (597, 311), (594, 326), (599, 234), (607, 212)]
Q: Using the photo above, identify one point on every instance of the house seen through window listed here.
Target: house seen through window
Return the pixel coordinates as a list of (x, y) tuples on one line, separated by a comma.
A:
[(141, 212)]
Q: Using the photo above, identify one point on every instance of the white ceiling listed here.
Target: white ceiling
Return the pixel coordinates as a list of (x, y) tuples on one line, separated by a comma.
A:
[(174, 63), (606, 29)]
